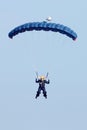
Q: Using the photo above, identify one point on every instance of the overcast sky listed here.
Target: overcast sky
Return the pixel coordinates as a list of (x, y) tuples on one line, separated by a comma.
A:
[(64, 59)]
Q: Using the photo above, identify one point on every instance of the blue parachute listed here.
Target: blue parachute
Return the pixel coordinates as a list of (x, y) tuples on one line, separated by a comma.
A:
[(45, 26)]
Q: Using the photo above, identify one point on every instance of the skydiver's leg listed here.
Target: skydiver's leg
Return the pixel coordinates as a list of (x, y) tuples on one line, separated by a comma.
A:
[(38, 92), (44, 92)]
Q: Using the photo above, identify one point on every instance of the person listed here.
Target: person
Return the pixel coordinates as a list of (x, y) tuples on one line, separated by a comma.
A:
[(42, 81)]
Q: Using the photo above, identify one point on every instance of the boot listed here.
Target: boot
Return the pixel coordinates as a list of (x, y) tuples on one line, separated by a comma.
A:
[(45, 95), (37, 95)]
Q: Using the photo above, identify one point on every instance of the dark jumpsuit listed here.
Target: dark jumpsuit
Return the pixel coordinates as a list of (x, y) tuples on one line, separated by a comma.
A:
[(42, 87)]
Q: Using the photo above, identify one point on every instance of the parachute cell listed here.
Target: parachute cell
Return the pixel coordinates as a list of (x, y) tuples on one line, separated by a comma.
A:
[(45, 26)]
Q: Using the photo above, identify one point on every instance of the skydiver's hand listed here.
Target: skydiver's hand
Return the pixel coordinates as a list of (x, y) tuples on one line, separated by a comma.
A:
[(48, 81)]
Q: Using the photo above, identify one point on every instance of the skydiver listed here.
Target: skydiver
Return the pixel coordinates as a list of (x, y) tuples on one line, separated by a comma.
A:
[(42, 81)]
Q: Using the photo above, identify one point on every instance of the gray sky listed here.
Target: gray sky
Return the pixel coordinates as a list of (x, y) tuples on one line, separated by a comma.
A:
[(63, 58)]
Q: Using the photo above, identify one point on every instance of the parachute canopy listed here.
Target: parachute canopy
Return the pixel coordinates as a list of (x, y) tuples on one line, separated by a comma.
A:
[(45, 26)]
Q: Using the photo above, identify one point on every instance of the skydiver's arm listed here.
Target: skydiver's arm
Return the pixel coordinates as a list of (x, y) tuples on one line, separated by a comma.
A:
[(47, 82), (36, 80)]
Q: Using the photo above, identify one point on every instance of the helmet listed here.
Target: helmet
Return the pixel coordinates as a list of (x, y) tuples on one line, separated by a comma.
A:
[(42, 77)]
